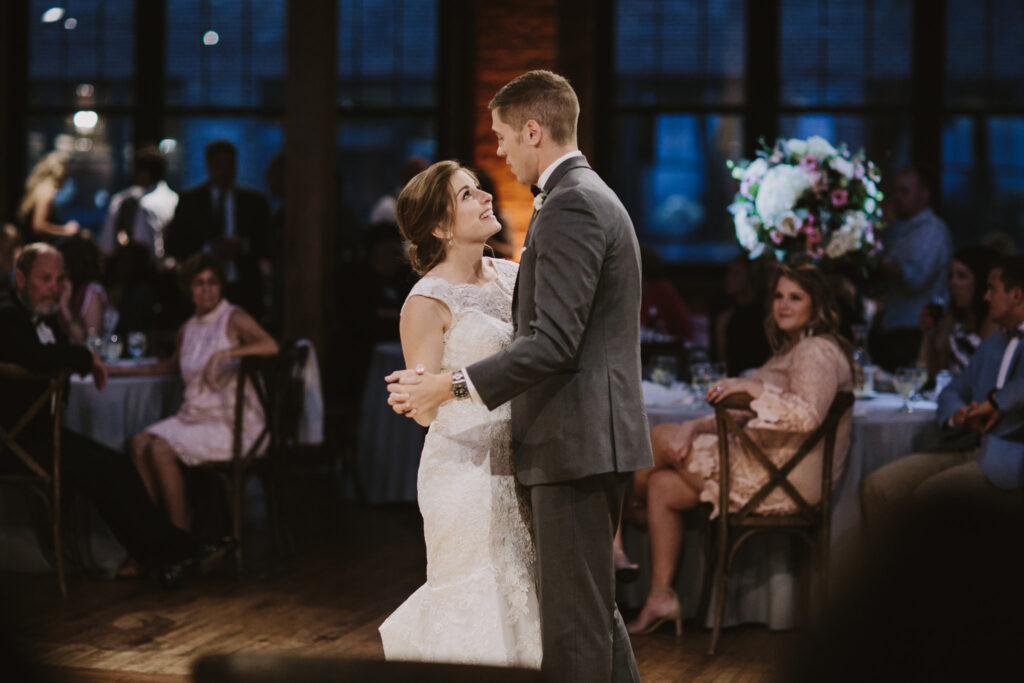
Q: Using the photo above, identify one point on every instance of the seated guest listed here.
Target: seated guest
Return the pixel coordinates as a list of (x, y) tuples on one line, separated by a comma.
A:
[(32, 340), (130, 278), (84, 306), (792, 393), (202, 431), (950, 340), (737, 335), (661, 309), (987, 401)]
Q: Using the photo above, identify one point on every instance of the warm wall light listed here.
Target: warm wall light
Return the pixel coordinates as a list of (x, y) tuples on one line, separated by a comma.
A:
[(53, 15), (168, 145), (85, 121), (211, 38)]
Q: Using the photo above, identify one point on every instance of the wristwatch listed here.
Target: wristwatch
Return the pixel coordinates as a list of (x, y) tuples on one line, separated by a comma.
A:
[(460, 389)]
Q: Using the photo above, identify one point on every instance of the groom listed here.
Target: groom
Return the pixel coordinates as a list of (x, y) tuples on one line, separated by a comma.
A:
[(572, 374)]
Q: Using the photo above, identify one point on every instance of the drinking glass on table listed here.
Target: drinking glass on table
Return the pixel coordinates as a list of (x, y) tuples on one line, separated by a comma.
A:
[(718, 373), (909, 381), (664, 370), (112, 348), (700, 377), (136, 344)]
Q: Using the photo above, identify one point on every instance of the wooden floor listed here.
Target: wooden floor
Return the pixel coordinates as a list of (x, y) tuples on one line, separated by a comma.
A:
[(355, 565)]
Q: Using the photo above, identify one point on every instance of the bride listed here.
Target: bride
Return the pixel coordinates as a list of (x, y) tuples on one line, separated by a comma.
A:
[(479, 604)]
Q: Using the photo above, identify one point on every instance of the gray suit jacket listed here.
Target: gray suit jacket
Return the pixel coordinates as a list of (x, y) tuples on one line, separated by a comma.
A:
[(573, 370)]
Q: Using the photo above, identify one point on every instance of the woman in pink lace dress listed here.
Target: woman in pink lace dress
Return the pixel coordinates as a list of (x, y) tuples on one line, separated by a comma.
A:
[(792, 393), (202, 431)]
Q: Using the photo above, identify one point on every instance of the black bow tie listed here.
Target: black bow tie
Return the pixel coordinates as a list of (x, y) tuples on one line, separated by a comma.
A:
[(535, 190)]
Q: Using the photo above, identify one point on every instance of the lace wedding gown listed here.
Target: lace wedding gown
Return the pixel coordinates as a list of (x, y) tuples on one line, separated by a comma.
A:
[(479, 604)]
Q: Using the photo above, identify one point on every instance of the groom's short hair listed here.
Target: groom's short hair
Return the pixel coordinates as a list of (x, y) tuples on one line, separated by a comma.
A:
[(543, 96)]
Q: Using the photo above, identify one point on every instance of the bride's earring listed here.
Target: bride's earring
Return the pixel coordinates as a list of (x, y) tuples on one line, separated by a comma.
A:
[(450, 241)]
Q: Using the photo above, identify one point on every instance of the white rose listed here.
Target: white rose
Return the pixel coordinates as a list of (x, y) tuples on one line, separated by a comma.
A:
[(843, 167), (855, 223), (796, 146), (841, 242), (755, 171), (818, 146), (779, 191), (869, 187), (746, 234), (789, 224)]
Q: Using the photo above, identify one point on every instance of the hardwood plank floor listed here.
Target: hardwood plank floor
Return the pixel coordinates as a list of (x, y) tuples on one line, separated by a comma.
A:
[(355, 566)]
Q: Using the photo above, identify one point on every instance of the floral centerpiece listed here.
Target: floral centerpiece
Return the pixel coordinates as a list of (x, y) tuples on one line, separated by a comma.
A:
[(807, 200)]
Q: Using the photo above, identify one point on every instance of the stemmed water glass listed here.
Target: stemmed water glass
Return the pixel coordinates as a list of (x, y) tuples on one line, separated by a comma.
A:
[(909, 381)]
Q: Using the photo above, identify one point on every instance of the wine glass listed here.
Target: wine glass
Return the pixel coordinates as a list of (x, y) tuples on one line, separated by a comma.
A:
[(700, 377), (906, 382), (664, 371), (136, 344), (112, 348)]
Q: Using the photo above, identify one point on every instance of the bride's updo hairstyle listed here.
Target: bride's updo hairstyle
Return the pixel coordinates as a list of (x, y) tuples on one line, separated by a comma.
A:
[(426, 202)]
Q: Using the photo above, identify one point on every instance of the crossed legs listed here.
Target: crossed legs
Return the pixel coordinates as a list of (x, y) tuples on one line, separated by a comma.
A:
[(160, 470)]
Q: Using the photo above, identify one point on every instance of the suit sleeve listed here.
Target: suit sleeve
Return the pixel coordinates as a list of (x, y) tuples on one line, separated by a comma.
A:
[(20, 345), (570, 246), (956, 395)]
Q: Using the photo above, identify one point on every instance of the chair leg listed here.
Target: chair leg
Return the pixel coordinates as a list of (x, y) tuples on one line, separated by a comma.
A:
[(720, 581), (709, 567), (282, 538), (238, 491), (58, 548)]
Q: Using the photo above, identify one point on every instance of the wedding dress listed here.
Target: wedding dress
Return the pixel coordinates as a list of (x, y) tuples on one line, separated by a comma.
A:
[(479, 605)]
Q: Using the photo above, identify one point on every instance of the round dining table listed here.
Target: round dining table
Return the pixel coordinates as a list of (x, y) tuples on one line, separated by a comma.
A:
[(763, 587)]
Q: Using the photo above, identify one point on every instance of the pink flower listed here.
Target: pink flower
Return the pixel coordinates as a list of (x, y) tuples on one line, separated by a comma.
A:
[(809, 164), (776, 236), (811, 234), (839, 197)]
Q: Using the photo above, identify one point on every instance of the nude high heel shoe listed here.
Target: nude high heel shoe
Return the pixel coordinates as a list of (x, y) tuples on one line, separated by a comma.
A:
[(640, 626)]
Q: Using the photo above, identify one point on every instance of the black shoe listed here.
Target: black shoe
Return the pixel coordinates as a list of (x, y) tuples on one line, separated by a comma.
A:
[(210, 553)]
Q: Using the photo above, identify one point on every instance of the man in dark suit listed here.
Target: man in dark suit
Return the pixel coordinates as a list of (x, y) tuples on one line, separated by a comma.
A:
[(229, 220), (986, 400), (32, 339), (572, 374)]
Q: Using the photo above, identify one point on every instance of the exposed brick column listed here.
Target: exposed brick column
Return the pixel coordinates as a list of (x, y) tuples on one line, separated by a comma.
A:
[(510, 39)]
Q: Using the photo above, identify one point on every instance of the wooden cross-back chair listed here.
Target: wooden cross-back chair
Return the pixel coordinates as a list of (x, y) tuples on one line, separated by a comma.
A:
[(810, 523), (46, 484), (277, 381)]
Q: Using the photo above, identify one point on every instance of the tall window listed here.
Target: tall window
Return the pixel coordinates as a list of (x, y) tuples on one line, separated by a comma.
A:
[(224, 80), (983, 132), (844, 69), (679, 83), (387, 95), (79, 98)]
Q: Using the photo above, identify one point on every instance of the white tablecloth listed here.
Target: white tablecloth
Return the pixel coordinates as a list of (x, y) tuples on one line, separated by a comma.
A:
[(763, 587), (388, 450)]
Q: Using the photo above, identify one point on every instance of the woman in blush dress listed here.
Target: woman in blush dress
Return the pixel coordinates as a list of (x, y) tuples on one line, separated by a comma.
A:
[(792, 393), (479, 604), (209, 344)]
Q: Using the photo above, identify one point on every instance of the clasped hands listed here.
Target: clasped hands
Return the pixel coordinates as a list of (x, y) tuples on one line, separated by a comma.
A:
[(415, 391), (976, 416)]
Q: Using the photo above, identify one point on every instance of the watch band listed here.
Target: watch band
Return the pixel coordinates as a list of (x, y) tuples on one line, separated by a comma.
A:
[(459, 387)]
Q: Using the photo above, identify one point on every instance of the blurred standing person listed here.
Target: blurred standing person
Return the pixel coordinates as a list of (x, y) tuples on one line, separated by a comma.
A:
[(38, 217), (141, 212), (918, 252), (228, 220), (10, 241), (274, 179)]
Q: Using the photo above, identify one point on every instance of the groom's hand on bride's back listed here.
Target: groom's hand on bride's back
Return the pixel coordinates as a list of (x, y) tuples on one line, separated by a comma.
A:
[(414, 392)]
